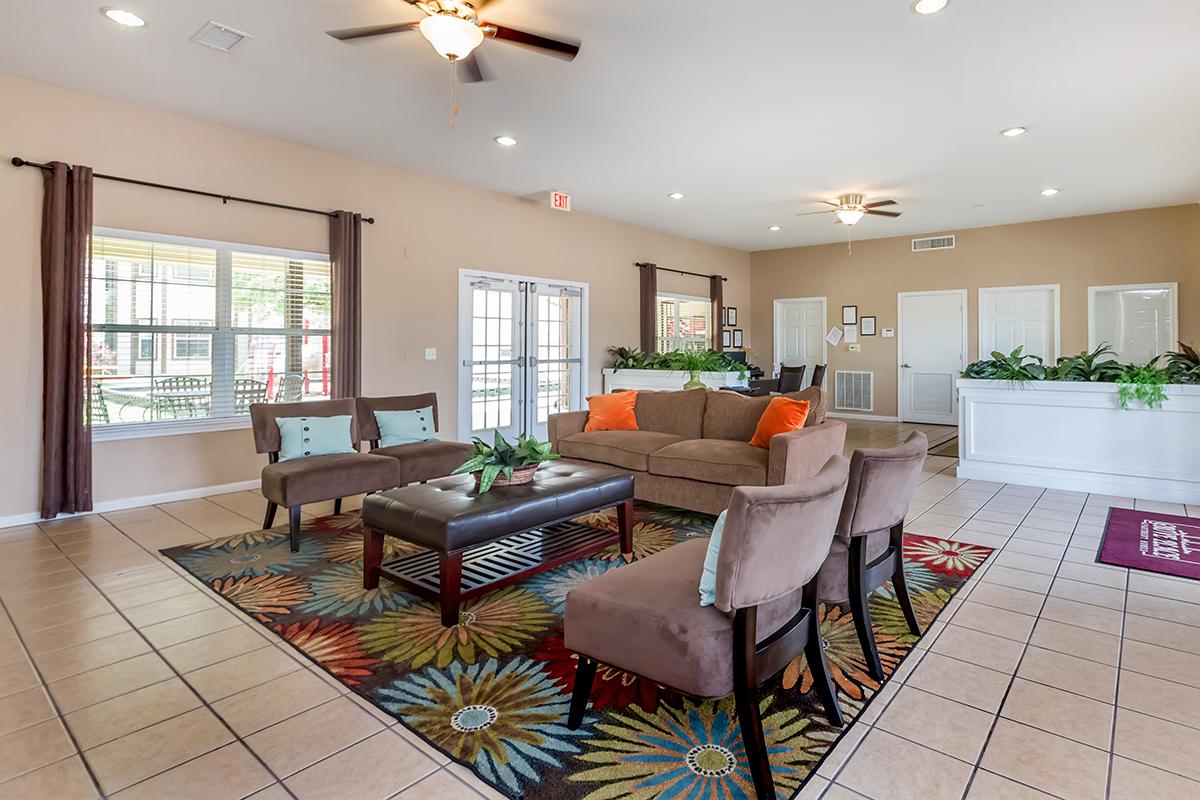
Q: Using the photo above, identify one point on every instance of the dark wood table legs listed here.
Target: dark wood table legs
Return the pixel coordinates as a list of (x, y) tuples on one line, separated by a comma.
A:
[(449, 586), (372, 557)]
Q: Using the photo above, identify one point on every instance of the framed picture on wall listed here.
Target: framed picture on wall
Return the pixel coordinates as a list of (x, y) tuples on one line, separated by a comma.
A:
[(730, 316), (867, 328), (849, 315), (726, 339), (737, 338)]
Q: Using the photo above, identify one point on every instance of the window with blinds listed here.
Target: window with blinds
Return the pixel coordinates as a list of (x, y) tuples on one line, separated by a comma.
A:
[(683, 322), (188, 330)]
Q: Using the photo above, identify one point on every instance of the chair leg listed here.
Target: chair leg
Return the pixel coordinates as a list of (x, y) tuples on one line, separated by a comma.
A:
[(745, 693), (814, 654), (337, 506), (585, 673), (269, 517), (860, 594), (294, 527), (899, 584)]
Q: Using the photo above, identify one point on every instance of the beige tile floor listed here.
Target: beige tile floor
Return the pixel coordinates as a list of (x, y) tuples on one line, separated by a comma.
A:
[(1049, 675)]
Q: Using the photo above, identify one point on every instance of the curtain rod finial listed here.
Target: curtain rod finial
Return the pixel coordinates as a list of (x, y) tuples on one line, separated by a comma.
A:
[(17, 161)]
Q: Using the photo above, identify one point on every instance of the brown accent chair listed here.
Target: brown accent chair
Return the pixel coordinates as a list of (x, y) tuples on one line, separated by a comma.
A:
[(868, 550), (314, 479), (419, 461), (646, 618), (693, 447)]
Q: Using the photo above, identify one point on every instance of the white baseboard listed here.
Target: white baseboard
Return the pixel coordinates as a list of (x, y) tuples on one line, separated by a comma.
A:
[(866, 417), (134, 502), (1165, 490)]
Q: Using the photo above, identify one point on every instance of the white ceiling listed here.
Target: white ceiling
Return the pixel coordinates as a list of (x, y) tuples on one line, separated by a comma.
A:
[(755, 110)]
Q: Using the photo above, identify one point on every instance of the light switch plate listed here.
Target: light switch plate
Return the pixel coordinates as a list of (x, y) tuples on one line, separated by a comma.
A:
[(431, 354)]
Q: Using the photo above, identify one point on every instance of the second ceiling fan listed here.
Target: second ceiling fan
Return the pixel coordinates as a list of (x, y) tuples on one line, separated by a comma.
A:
[(454, 30)]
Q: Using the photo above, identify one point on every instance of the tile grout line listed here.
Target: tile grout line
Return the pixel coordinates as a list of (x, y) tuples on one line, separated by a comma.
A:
[(1017, 668), (1112, 736)]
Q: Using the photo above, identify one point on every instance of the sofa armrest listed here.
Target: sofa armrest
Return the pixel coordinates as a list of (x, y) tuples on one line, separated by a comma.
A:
[(798, 455), (559, 426)]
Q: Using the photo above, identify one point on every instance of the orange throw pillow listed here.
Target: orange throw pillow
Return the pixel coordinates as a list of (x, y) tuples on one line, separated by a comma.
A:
[(612, 412), (782, 415)]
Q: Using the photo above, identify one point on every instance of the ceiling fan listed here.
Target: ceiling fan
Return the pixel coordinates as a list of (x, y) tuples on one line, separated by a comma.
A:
[(454, 30), (850, 208)]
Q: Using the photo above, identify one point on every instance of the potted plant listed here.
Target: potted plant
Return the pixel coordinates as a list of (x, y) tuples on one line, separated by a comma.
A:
[(694, 361), (505, 464)]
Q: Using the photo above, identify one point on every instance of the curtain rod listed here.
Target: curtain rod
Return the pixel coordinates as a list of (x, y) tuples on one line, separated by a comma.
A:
[(224, 198), (641, 264)]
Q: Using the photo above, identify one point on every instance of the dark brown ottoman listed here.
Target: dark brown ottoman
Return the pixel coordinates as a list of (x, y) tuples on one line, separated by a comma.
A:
[(477, 543)]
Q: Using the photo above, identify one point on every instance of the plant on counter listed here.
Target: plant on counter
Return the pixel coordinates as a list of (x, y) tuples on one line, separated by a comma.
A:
[(1145, 383), (503, 458), (690, 359)]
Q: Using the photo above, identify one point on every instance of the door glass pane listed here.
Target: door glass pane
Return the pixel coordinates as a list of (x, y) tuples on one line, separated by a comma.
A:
[(492, 326)]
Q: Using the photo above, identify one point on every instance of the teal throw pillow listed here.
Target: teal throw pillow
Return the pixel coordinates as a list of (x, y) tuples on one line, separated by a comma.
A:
[(708, 576), (406, 427), (314, 436)]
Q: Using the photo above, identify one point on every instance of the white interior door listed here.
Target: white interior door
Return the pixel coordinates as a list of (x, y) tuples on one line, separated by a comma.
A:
[(522, 345), (1019, 316), (800, 333), (932, 349)]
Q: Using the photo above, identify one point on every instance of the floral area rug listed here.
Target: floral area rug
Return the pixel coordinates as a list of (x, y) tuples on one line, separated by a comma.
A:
[(492, 693)]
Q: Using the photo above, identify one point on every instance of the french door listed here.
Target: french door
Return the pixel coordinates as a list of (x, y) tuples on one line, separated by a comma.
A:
[(522, 353)]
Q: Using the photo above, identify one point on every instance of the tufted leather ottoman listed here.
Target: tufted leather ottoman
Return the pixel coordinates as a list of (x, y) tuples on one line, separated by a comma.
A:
[(479, 542)]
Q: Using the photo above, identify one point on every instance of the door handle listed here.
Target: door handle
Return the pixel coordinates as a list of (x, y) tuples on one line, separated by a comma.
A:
[(906, 366)]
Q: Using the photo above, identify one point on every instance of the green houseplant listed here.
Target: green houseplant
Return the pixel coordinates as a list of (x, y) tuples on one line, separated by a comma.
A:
[(694, 361), (1145, 383), (503, 463), (1183, 365)]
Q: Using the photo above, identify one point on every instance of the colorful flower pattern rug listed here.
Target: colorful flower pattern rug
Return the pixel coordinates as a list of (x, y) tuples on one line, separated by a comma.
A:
[(492, 692)]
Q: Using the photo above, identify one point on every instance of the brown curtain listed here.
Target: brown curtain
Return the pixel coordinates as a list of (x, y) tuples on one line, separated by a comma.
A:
[(716, 285), (66, 340), (648, 300), (345, 257)]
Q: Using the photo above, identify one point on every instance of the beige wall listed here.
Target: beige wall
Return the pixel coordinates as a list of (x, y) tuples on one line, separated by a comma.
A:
[(1131, 247), (428, 228)]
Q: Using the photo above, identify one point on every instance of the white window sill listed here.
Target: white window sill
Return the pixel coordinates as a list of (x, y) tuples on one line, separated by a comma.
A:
[(147, 430)]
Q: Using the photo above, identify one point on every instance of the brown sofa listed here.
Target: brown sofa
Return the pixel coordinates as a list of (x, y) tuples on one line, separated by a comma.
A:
[(692, 447)]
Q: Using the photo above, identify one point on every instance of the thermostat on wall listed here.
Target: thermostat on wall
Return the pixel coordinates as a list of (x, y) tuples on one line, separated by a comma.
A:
[(889, 333)]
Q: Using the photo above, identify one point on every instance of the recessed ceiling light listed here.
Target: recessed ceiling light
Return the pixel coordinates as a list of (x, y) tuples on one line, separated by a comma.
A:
[(505, 141), (775, 228), (123, 17), (1013, 133), (676, 195), (926, 7), (1050, 192)]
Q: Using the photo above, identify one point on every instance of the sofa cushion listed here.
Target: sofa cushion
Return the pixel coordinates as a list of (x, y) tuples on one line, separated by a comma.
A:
[(317, 478), (624, 449), (729, 415), (646, 618), (678, 413), (422, 461), (713, 461)]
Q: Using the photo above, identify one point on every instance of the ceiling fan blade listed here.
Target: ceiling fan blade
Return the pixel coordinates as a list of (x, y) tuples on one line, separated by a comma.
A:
[(810, 213), (835, 205), (350, 34), (879, 203), (470, 70), (883, 213), (543, 44)]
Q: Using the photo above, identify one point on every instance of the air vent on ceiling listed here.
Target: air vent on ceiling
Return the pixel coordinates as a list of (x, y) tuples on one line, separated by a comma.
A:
[(218, 36), (854, 391), (933, 243)]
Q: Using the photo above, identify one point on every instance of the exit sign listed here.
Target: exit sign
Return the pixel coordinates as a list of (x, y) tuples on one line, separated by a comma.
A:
[(560, 201)]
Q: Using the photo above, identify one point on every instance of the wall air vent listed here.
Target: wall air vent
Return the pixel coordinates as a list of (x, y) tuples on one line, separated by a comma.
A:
[(219, 37), (854, 391), (933, 243)]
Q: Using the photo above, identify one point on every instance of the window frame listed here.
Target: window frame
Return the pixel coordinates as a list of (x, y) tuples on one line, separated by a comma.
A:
[(1093, 291), (679, 297), (223, 335)]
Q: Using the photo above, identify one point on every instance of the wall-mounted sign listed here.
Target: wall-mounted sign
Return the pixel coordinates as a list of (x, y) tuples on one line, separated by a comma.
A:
[(560, 201)]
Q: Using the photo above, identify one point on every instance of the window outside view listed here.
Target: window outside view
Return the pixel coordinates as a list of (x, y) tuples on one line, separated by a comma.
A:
[(683, 322)]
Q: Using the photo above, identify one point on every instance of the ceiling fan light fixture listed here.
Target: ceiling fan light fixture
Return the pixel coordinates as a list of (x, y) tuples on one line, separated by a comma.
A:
[(850, 216), (927, 7), (452, 37)]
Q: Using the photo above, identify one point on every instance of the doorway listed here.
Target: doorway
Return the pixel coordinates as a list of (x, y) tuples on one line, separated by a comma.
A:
[(932, 349), (800, 325), (522, 349), (1020, 316)]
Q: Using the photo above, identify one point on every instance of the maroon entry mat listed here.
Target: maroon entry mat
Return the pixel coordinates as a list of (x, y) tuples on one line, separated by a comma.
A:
[(1151, 541)]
